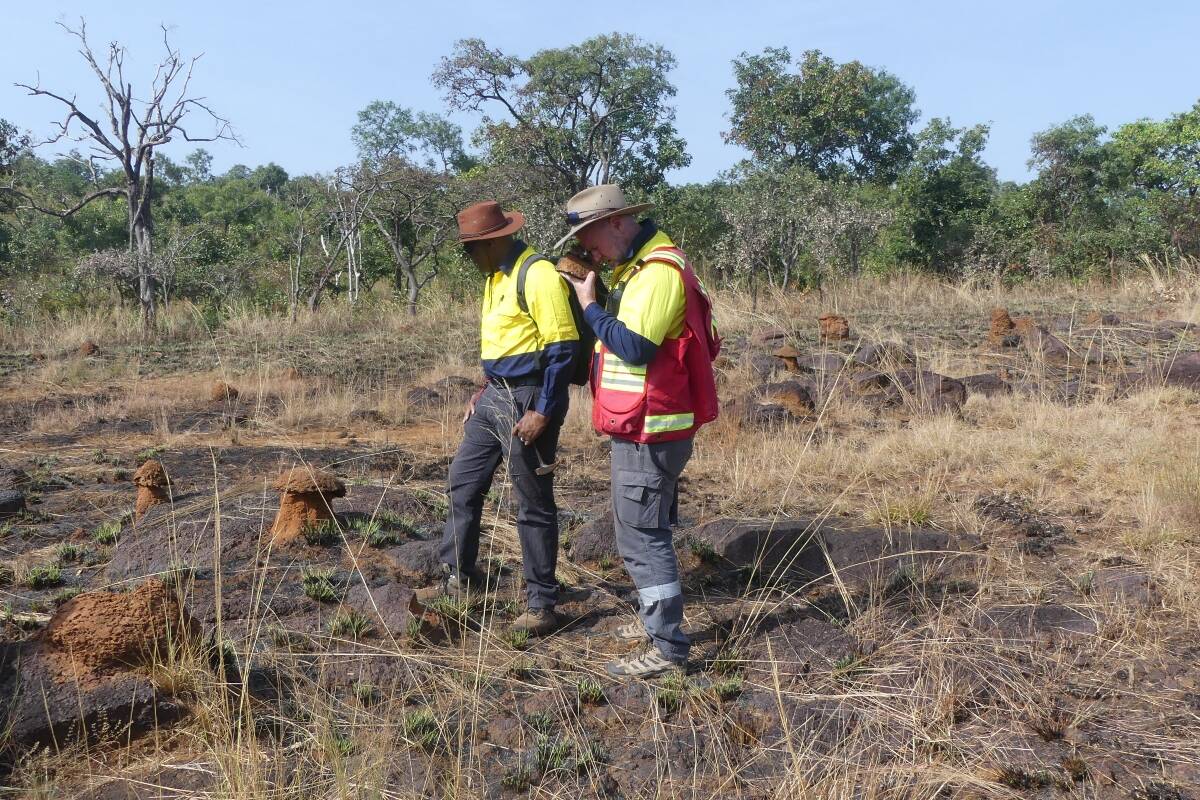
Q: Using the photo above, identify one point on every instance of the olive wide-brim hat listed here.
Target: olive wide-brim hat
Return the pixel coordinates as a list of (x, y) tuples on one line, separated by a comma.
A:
[(594, 204), (487, 220)]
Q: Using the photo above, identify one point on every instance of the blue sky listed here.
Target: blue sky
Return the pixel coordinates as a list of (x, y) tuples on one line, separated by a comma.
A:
[(292, 76)]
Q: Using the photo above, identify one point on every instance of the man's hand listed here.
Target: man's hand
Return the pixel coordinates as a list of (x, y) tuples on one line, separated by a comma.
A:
[(530, 426), (471, 404), (585, 289)]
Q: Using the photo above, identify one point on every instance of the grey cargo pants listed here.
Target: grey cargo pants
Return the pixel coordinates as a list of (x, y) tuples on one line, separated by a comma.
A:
[(487, 437), (645, 479)]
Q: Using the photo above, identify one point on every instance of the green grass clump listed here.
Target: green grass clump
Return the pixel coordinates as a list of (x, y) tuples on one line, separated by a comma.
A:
[(550, 755), (728, 662), (351, 624), (703, 550), (521, 668), (670, 694), (728, 688), (68, 553), (590, 755), (517, 638), (63, 595), (367, 694), (541, 721), (589, 691), (420, 728), (107, 532), (318, 584), (449, 608), (517, 779), (43, 576), (323, 533)]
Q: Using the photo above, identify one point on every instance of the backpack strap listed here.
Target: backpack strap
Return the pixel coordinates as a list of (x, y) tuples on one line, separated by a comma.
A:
[(522, 273)]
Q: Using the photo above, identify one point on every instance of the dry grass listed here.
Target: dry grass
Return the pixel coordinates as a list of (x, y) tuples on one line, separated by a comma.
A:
[(929, 706)]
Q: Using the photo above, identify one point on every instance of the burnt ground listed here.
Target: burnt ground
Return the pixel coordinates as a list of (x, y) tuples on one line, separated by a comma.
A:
[(977, 637)]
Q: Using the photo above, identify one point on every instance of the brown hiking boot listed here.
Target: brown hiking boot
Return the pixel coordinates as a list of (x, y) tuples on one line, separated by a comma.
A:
[(539, 621)]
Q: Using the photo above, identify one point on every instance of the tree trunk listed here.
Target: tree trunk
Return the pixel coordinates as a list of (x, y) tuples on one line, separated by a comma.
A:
[(141, 245)]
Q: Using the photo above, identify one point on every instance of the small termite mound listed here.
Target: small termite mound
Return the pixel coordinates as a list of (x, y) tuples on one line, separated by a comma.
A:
[(88, 348), (222, 391), (1001, 325), (788, 355), (833, 326), (151, 482), (305, 496)]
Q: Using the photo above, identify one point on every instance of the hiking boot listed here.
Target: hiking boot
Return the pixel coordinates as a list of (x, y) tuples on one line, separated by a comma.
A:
[(646, 663), (539, 621), (453, 584), (632, 632)]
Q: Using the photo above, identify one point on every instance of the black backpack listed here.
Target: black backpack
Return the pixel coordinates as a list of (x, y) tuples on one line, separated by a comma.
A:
[(582, 364)]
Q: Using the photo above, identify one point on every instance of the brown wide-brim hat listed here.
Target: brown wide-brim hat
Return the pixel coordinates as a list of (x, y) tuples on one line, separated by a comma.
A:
[(594, 204), (487, 220)]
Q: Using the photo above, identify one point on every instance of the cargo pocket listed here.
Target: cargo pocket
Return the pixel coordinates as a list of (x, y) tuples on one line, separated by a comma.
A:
[(640, 499)]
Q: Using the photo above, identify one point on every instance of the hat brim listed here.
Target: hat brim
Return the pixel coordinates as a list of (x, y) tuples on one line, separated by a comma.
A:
[(516, 221), (618, 212)]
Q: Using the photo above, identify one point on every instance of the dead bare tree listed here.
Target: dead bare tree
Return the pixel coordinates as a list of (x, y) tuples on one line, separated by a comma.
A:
[(414, 212), (129, 135), (349, 199)]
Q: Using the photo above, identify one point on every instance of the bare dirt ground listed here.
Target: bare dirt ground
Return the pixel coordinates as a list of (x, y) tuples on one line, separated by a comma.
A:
[(900, 584)]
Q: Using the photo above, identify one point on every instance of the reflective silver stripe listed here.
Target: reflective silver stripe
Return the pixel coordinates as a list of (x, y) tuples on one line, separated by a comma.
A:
[(622, 385), (661, 423), (652, 594), (615, 364)]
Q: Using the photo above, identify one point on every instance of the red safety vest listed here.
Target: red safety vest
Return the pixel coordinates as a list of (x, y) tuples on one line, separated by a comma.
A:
[(676, 393)]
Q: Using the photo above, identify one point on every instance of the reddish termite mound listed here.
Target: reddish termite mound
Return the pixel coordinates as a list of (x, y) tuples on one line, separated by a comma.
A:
[(101, 633), (833, 326), (788, 355), (151, 482), (222, 391), (88, 348), (1002, 325), (305, 496)]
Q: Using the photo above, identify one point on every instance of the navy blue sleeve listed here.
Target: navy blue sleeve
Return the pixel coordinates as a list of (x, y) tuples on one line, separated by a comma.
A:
[(557, 359), (630, 347)]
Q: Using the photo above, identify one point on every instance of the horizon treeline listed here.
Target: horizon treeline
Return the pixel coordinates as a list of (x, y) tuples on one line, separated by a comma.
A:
[(843, 176)]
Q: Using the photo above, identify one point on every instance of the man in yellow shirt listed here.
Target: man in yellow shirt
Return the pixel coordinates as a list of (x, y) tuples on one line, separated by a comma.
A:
[(528, 345)]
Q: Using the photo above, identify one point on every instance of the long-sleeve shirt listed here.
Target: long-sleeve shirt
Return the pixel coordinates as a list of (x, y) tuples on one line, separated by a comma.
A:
[(651, 303), (516, 344)]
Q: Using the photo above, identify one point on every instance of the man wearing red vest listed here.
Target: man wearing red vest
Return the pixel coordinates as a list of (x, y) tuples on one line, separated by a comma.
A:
[(652, 387)]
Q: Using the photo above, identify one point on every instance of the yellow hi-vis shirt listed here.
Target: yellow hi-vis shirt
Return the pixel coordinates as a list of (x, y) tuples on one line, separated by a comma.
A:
[(653, 301), (515, 344)]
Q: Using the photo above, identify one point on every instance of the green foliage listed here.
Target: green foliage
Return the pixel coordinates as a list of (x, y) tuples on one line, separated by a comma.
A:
[(728, 688), (517, 638), (68, 553), (349, 623), (589, 691), (42, 576), (63, 595), (940, 199), (420, 729), (324, 532), (318, 584), (595, 112), (835, 120), (107, 532)]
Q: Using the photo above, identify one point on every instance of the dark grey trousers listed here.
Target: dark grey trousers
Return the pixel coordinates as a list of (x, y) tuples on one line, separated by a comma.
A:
[(487, 438), (645, 480)]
